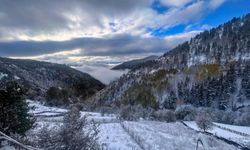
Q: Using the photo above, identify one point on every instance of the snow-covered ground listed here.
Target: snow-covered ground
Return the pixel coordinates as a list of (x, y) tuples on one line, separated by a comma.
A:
[(221, 130), (113, 137), (135, 135), (242, 129), (174, 136), (2, 75)]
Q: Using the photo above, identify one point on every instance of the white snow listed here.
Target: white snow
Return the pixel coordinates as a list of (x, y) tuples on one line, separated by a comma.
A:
[(2, 75), (134, 135), (39, 108), (113, 137), (172, 136), (242, 129), (7, 148), (244, 140), (196, 59), (16, 78)]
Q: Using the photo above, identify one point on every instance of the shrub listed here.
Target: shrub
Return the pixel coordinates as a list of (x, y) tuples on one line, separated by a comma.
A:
[(165, 115), (58, 97), (129, 112), (106, 110), (244, 119), (229, 117), (185, 112)]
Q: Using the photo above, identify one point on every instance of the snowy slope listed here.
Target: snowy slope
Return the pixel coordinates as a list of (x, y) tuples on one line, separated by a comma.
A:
[(241, 139), (172, 136), (2, 75), (134, 135), (113, 137), (242, 129)]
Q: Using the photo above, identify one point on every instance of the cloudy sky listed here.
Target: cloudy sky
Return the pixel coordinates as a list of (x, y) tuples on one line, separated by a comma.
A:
[(101, 31)]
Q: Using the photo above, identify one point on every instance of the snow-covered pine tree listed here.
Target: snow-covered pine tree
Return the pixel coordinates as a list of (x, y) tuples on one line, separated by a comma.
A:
[(76, 133), (14, 116)]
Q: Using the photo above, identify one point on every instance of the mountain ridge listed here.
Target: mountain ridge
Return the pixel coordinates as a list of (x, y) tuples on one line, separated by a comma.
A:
[(133, 64), (38, 77)]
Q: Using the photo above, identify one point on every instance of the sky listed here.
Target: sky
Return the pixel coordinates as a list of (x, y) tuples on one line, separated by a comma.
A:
[(106, 32)]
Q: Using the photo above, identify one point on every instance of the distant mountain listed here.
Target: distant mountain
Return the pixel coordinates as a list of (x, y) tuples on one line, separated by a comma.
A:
[(211, 70), (38, 77), (133, 64)]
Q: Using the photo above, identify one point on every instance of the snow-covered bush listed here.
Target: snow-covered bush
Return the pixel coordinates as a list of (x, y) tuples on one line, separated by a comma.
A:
[(185, 112), (76, 133), (204, 121), (129, 112), (228, 117), (106, 110), (165, 115), (244, 120), (216, 114)]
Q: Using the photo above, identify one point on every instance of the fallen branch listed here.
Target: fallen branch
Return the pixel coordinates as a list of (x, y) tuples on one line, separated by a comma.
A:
[(9, 139)]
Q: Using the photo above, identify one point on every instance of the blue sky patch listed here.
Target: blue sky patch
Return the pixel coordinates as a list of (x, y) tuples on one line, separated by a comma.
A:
[(158, 7), (230, 9), (159, 32)]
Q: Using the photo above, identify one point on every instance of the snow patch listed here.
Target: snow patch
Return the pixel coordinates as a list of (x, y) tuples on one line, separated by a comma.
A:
[(2, 75), (225, 133), (196, 59), (17, 78)]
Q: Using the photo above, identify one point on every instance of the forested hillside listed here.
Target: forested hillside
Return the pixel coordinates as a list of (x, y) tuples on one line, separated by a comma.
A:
[(38, 77), (212, 70)]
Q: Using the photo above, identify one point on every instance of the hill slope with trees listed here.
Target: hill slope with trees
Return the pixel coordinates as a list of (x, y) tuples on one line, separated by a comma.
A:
[(212, 70), (38, 77)]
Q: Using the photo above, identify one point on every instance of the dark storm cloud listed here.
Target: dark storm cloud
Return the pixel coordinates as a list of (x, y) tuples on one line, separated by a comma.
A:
[(46, 15), (28, 14), (32, 19), (115, 45)]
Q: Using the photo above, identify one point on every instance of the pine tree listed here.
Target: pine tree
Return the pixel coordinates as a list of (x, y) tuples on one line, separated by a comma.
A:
[(76, 133), (170, 102), (14, 116), (212, 89), (246, 82)]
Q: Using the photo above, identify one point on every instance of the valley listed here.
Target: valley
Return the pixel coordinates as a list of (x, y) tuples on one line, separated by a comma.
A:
[(125, 75)]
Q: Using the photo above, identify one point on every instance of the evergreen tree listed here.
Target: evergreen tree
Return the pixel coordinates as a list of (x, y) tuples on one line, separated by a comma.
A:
[(246, 82), (213, 88), (170, 102), (14, 117), (76, 133)]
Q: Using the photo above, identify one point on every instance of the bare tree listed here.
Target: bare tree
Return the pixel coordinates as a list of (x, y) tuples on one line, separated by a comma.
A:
[(204, 121)]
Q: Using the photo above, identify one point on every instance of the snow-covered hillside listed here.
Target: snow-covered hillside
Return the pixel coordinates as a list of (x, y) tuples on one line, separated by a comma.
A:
[(238, 134), (210, 70), (135, 135)]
